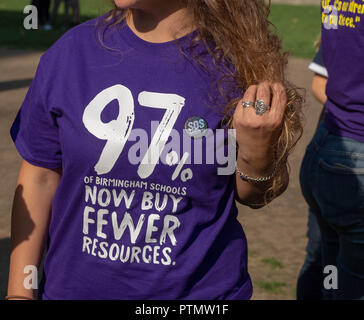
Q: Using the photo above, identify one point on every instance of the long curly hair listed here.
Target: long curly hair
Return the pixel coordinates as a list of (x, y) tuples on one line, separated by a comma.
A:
[(239, 34)]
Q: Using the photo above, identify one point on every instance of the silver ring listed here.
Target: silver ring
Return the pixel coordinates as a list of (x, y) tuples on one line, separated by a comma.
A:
[(260, 107), (247, 104)]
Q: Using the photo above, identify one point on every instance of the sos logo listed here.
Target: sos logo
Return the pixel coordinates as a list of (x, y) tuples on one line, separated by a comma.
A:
[(196, 127)]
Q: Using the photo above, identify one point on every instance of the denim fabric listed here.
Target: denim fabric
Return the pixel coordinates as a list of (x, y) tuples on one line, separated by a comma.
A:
[(332, 182), (310, 279)]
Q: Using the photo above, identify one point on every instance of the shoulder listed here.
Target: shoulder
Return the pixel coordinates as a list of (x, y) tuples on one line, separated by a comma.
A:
[(75, 41)]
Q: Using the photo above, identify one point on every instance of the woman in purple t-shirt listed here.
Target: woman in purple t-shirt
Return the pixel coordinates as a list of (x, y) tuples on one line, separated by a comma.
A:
[(126, 214)]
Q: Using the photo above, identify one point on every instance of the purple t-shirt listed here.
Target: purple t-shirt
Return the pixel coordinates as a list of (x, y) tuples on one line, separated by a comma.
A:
[(342, 47), (123, 226)]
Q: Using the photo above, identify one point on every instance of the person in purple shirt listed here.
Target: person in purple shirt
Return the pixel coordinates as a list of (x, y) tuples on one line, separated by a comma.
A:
[(332, 173), (124, 132)]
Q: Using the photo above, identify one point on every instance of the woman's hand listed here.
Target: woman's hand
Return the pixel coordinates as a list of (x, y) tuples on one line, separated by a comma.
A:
[(256, 136)]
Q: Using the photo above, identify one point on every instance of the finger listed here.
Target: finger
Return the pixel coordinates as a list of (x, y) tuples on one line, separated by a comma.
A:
[(250, 96), (264, 93), (279, 100)]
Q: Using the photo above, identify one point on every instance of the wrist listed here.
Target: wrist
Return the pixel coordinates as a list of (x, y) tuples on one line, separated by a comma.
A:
[(16, 290), (256, 165), (19, 297)]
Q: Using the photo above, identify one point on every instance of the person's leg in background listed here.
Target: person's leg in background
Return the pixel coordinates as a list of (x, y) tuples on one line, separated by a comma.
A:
[(37, 4), (43, 12), (329, 252), (351, 262), (67, 5), (75, 12), (338, 189), (56, 4), (310, 279)]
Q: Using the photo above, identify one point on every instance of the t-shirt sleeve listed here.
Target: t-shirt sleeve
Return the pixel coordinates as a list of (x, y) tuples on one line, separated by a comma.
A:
[(317, 65), (35, 130)]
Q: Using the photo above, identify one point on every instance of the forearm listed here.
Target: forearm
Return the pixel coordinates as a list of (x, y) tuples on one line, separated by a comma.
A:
[(318, 88), (29, 226)]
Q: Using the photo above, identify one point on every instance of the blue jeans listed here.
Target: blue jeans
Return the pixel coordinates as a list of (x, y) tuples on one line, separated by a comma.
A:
[(332, 183), (310, 279)]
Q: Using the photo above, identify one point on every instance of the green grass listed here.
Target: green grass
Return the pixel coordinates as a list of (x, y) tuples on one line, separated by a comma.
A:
[(252, 253), (13, 34), (90, 7), (272, 262), (271, 287), (297, 25)]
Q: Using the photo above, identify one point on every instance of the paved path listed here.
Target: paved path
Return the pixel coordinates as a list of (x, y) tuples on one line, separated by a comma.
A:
[(277, 231)]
